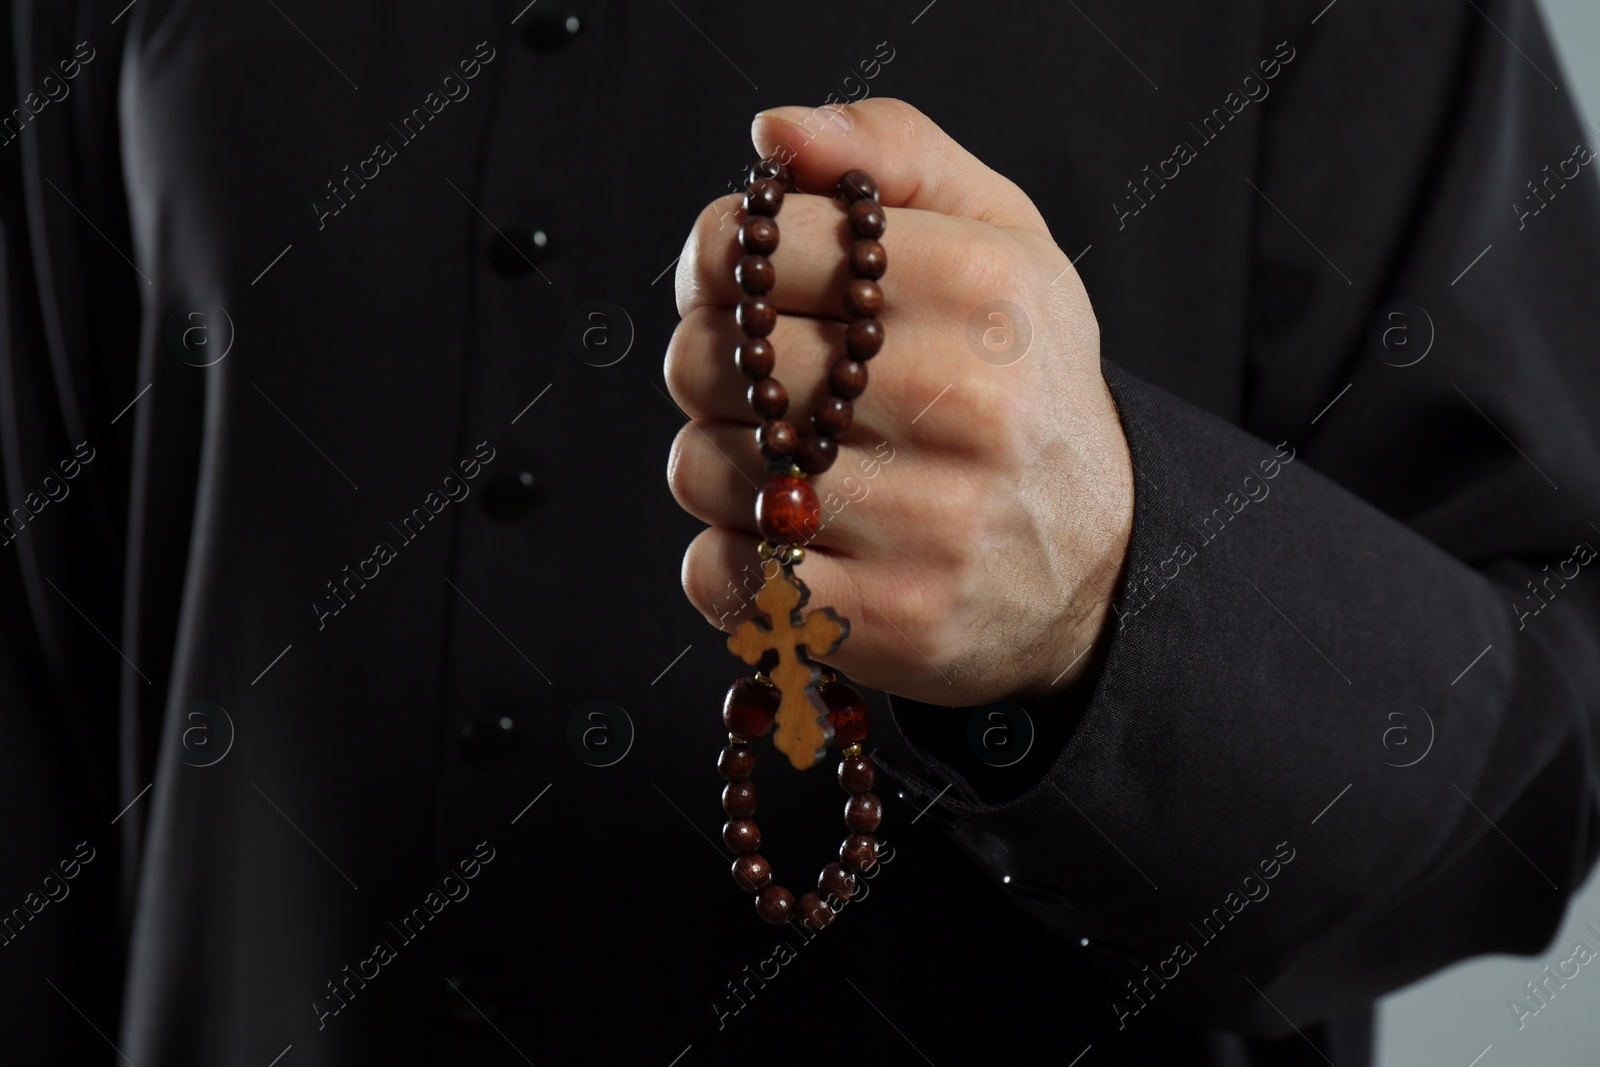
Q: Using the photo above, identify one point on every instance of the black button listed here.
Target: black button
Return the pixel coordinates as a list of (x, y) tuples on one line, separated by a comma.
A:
[(545, 31), (511, 494), (472, 999), (490, 741), (518, 248)]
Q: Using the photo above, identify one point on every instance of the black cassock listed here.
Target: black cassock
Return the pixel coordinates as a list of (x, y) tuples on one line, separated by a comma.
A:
[(362, 521)]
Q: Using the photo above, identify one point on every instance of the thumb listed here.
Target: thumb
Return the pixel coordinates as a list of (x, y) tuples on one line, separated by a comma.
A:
[(916, 164)]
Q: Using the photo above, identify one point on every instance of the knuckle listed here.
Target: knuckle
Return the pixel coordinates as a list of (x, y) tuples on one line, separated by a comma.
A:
[(987, 265)]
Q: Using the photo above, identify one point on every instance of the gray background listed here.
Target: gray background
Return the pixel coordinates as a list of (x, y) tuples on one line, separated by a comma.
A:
[(1463, 1012)]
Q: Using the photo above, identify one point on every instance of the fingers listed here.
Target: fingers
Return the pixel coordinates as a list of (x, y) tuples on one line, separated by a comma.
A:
[(715, 473), (915, 163), (722, 574), (703, 377), (811, 265)]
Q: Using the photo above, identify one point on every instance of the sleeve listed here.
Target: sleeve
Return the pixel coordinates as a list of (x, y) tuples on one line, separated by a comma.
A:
[(1342, 733)]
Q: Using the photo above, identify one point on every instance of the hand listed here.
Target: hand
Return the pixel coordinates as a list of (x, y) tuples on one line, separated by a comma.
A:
[(976, 521)]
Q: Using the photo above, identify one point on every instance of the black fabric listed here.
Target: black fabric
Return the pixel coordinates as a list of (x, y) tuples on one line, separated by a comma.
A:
[(381, 338)]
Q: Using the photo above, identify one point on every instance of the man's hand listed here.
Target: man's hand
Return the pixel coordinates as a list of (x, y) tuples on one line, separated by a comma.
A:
[(975, 524)]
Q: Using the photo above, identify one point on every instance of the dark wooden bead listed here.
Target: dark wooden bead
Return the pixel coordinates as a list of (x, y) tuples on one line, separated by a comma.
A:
[(756, 316), (763, 197), (867, 258), (755, 357), (863, 298), (776, 439), (743, 835), (749, 708), (739, 798), (816, 453), (847, 377), (833, 416), (847, 713), (816, 915), (755, 275), (769, 398), (758, 235), (863, 813), (855, 775), (775, 904), (863, 338), (752, 872), (838, 882), (787, 512), (859, 852), (867, 219), (770, 168), (857, 185), (736, 762)]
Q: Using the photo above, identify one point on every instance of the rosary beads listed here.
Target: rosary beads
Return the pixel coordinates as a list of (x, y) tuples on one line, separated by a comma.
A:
[(811, 708)]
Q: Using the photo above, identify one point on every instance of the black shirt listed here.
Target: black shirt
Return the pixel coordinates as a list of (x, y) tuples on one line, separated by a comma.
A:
[(365, 522)]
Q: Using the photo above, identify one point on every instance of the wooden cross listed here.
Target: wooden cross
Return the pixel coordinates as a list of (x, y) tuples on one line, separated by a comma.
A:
[(800, 734)]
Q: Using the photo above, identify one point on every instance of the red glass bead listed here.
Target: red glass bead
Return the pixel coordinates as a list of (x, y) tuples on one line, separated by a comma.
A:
[(847, 712), (749, 709), (775, 905), (787, 512)]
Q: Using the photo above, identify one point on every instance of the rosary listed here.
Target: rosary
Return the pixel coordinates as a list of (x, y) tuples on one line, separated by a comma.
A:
[(811, 708)]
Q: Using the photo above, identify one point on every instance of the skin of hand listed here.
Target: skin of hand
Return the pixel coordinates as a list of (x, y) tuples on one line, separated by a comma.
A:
[(976, 523)]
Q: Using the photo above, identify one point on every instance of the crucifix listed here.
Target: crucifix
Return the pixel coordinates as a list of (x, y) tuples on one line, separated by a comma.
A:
[(801, 735)]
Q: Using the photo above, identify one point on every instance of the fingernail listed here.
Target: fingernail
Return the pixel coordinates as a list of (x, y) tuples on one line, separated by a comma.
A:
[(830, 120)]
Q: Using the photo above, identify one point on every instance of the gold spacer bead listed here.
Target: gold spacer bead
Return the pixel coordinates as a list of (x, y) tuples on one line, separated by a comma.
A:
[(796, 472), (763, 679), (766, 550), (851, 751), (735, 739), (796, 555)]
